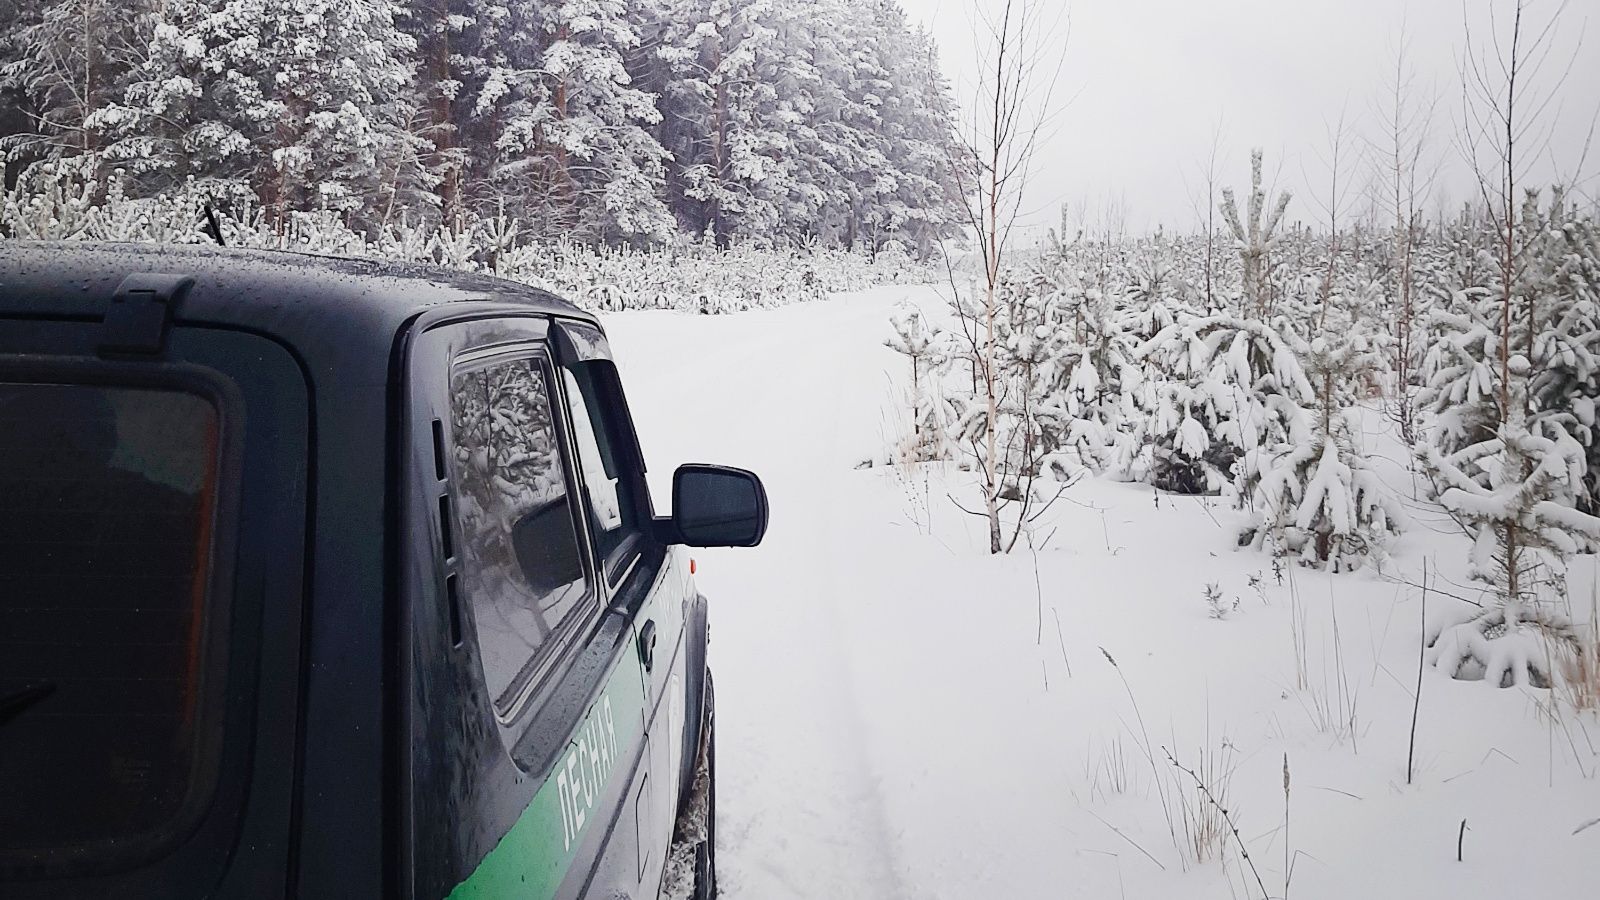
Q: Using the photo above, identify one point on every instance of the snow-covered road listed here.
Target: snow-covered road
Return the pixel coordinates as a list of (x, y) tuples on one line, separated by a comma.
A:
[(795, 398), (901, 716)]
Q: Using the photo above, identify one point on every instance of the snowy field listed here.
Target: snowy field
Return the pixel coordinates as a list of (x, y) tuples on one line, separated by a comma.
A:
[(903, 716)]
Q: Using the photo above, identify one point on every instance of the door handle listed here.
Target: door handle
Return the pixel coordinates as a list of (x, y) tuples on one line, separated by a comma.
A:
[(647, 644)]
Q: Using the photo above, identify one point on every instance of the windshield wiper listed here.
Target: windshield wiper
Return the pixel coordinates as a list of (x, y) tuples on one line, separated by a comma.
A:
[(12, 704)]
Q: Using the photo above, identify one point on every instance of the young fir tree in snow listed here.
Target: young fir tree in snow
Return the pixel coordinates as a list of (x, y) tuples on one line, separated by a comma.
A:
[(1524, 526), (1144, 398), (1459, 368), (1225, 383), (1314, 494), (1098, 361)]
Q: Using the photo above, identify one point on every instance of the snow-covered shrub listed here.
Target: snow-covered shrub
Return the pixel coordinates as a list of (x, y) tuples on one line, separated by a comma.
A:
[(1506, 645), (64, 201)]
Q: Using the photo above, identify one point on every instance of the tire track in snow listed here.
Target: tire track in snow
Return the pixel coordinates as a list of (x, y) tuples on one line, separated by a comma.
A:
[(801, 814)]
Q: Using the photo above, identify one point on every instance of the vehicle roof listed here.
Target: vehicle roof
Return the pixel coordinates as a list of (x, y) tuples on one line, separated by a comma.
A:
[(276, 291)]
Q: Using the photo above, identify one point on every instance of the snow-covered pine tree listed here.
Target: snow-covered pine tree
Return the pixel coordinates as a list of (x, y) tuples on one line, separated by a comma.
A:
[(302, 104), (16, 17), (729, 148), (577, 136), (1254, 234), (923, 348), (450, 72), (1314, 494), (62, 63), (1086, 405), (1524, 525), (1031, 368), (824, 120), (1565, 384), (1218, 387), (917, 208), (1459, 370), (1514, 479), (1146, 407)]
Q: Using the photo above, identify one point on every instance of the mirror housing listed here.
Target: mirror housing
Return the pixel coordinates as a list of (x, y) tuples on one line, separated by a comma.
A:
[(717, 506)]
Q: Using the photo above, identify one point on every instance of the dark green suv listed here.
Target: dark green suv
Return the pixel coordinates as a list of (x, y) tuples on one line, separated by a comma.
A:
[(326, 577)]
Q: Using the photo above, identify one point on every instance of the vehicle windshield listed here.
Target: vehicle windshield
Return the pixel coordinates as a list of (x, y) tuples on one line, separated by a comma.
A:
[(105, 510)]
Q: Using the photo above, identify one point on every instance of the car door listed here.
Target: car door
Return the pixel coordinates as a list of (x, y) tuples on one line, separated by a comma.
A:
[(527, 758), (646, 579)]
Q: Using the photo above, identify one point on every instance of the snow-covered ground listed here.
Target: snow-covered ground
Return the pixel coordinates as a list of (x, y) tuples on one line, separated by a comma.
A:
[(901, 715)]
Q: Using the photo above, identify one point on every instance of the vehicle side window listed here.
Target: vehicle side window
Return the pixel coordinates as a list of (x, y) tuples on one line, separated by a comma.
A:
[(610, 515), (522, 562), (599, 466)]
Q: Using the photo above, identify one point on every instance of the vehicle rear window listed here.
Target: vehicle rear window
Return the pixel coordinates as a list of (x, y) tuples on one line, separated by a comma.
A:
[(106, 496)]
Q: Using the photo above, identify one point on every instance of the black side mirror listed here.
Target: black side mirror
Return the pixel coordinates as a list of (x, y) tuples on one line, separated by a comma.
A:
[(718, 506), (547, 546)]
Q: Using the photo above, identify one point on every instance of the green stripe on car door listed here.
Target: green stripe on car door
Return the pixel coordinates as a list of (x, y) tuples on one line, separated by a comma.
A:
[(533, 857)]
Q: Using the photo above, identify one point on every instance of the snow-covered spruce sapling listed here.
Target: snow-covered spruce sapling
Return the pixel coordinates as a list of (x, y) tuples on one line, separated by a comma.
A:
[(1565, 384), (1514, 491)]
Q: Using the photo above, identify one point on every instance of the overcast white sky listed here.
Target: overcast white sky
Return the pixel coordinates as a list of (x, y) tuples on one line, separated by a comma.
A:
[(1147, 83)]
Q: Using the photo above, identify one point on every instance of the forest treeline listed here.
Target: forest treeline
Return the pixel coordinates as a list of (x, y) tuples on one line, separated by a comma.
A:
[(605, 121)]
